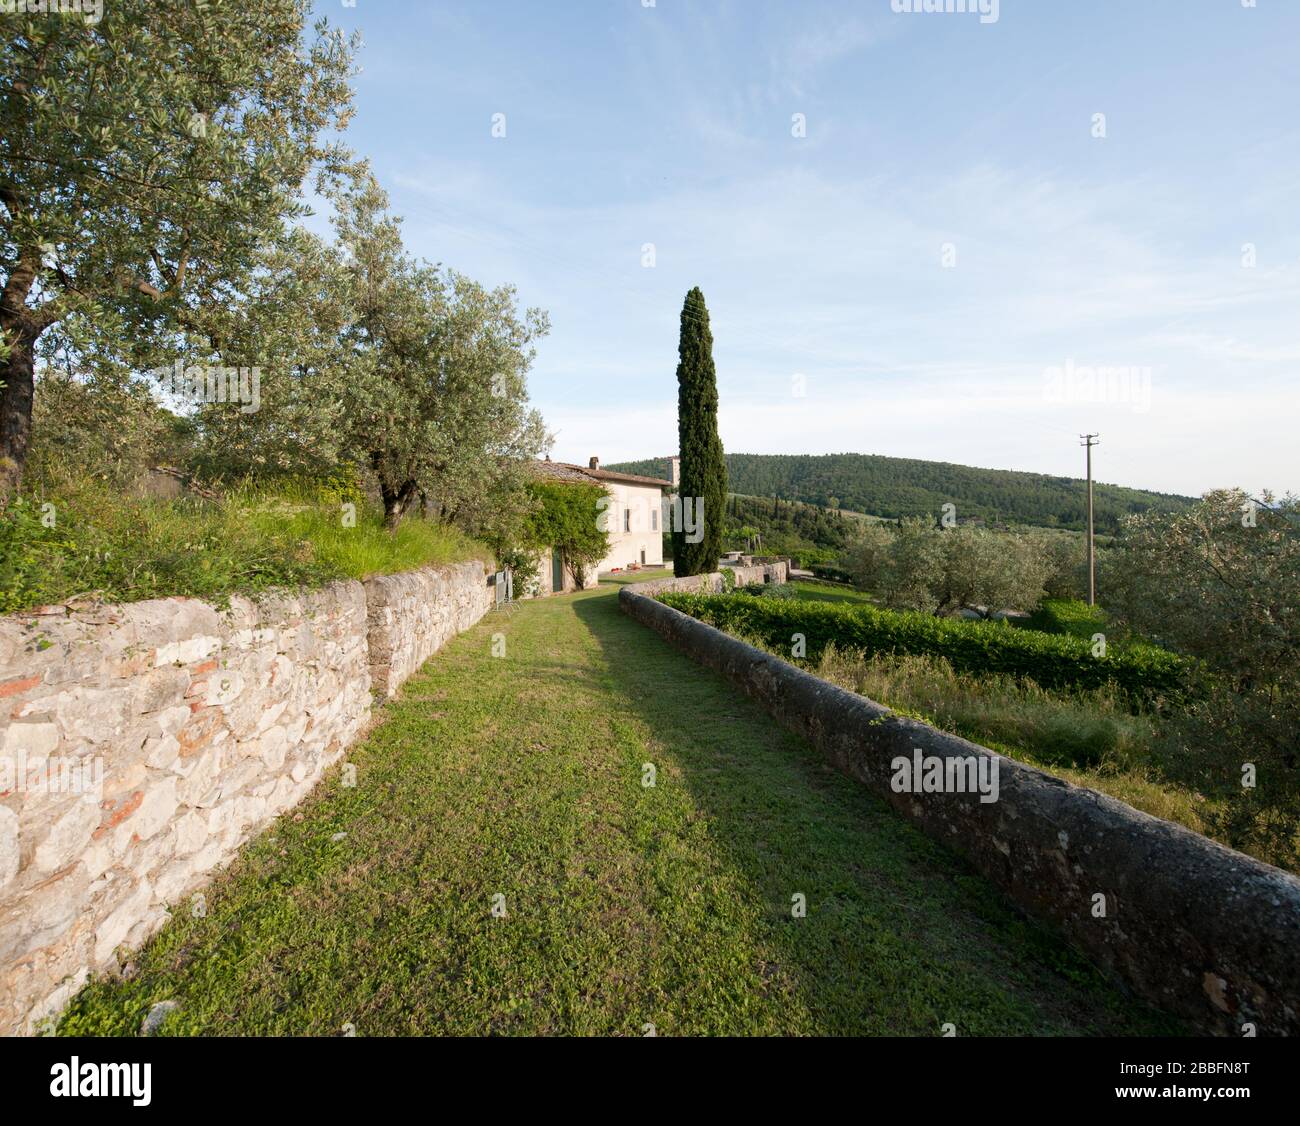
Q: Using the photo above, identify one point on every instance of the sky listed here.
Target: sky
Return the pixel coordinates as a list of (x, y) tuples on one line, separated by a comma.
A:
[(933, 260)]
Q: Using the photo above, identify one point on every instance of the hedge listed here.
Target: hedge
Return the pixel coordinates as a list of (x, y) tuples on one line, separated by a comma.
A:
[(1055, 661)]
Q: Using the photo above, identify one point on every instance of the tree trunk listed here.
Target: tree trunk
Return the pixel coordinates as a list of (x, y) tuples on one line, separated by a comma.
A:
[(396, 502), (17, 373)]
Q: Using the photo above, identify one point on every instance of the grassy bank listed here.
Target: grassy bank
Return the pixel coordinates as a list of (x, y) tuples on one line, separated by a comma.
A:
[(86, 539), (621, 905)]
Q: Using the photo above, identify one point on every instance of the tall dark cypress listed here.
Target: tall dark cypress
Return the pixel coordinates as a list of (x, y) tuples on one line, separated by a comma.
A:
[(704, 469)]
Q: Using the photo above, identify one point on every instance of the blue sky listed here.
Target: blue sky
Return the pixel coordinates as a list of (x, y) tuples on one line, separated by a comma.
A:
[(837, 324)]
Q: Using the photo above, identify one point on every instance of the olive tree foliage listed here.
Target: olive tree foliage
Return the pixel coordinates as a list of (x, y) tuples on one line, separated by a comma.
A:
[(1220, 583), (435, 394), (144, 160), (918, 566), (1066, 556), (287, 323)]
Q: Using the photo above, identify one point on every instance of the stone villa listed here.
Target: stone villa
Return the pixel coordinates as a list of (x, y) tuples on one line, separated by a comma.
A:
[(635, 519)]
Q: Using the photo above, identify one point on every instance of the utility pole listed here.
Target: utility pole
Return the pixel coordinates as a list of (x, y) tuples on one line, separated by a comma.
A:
[(1090, 440)]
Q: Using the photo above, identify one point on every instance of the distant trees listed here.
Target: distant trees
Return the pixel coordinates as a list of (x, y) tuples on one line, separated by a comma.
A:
[(703, 468), (894, 487), (803, 531), (144, 159), (918, 566)]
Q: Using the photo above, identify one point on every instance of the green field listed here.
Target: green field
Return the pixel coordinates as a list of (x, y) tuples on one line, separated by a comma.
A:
[(624, 905)]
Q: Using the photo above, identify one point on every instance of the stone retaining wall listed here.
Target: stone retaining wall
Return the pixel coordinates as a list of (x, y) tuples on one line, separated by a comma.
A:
[(141, 745), (1197, 929), (713, 582), (413, 615)]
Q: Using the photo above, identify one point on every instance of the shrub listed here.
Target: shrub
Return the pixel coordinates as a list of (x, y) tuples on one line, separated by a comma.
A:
[(1055, 661)]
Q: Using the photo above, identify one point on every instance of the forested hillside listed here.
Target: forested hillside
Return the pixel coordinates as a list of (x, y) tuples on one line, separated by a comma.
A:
[(777, 527), (893, 486)]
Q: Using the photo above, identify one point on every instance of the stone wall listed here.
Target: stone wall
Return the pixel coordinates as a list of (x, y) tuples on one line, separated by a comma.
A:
[(1197, 929), (141, 745), (713, 582), (413, 615), (760, 573)]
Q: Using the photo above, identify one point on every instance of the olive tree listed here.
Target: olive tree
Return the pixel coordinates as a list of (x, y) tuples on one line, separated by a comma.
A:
[(1219, 583), (436, 390), (144, 158), (918, 566)]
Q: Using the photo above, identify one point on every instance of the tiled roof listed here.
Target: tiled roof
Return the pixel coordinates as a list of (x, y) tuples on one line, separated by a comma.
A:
[(563, 471), (559, 471)]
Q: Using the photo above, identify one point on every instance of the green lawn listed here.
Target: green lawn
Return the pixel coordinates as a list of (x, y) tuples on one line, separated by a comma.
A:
[(624, 905), (829, 592)]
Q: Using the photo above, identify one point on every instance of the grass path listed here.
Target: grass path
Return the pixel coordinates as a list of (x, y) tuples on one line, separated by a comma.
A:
[(624, 905)]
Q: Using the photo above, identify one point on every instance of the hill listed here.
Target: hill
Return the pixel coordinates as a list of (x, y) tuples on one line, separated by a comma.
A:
[(895, 486)]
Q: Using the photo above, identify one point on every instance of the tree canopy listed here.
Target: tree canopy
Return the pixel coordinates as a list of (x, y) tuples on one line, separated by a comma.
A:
[(144, 161)]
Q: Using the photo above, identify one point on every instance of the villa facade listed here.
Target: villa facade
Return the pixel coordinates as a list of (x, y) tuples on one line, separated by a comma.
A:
[(634, 515)]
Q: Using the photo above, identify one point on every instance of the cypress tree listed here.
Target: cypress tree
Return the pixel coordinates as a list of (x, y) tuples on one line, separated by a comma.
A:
[(704, 469)]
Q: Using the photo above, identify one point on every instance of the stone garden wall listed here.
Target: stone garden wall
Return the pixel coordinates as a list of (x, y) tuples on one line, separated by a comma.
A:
[(713, 583), (141, 745), (1195, 928), (412, 615)]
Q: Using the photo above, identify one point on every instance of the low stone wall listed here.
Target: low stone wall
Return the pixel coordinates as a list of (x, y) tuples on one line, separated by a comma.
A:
[(1197, 929), (141, 745), (413, 615), (760, 573), (713, 582)]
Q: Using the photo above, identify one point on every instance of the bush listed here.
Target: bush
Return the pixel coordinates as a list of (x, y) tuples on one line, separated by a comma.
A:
[(831, 573), (1054, 661), (770, 590)]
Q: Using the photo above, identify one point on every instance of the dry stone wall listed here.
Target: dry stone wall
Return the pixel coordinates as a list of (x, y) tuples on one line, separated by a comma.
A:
[(713, 582), (412, 615), (141, 745)]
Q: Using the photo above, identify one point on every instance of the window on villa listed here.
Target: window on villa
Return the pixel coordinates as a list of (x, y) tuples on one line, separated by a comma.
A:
[(627, 519), (654, 519)]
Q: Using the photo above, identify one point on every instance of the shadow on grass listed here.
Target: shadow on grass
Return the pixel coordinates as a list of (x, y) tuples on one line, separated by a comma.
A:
[(899, 937)]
